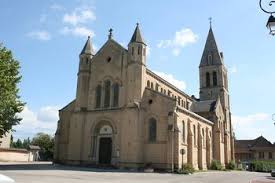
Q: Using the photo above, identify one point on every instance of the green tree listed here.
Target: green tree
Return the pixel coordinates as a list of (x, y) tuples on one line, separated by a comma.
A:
[(46, 143), (18, 144), (11, 144), (26, 143), (10, 103)]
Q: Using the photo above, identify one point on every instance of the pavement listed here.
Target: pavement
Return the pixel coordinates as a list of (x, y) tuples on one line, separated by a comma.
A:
[(42, 172)]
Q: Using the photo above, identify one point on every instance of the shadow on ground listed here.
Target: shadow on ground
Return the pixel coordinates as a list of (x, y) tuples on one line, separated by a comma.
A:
[(270, 178), (49, 166)]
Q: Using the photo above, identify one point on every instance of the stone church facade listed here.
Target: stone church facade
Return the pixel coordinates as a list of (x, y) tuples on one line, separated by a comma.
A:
[(125, 115)]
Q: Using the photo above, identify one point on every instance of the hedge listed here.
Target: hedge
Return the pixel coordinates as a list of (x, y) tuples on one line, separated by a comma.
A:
[(262, 166)]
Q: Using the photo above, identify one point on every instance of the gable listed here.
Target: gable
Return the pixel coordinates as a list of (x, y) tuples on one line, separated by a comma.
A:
[(110, 60)]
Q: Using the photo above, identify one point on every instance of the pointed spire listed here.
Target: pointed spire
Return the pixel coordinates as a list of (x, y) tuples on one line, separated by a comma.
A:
[(211, 54), (88, 48), (137, 37)]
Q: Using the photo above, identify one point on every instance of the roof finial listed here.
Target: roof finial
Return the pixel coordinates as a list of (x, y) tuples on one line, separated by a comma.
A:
[(137, 24), (210, 21), (110, 33)]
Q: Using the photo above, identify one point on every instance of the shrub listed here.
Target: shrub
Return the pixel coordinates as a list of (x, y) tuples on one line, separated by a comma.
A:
[(215, 165), (262, 166), (231, 165), (186, 169)]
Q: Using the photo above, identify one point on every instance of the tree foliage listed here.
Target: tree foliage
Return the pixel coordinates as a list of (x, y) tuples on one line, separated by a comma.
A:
[(46, 143), (10, 103)]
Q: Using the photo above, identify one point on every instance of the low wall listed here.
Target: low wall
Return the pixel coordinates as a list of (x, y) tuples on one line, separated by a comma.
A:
[(14, 154)]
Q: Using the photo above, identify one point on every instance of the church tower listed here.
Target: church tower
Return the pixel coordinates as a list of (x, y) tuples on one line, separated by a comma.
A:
[(136, 66), (214, 85), (85, 57)]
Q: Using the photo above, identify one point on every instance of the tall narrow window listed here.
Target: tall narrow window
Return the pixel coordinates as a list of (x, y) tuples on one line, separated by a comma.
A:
[(183, 131), (98, 96), (148, 84), (207, 79), (115, 95), (215, 78), (107, 90), (270, 155), (152, 137), (152, 85), (139, 49)]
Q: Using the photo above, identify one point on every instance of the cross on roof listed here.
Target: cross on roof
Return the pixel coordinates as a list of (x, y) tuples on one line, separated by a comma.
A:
[(110, 33), (210, 21)]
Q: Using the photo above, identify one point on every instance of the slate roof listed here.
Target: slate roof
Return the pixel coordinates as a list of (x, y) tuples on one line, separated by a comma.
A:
[(88, 48), (211, 48), (259, 142), (137, 37), (204, 106)]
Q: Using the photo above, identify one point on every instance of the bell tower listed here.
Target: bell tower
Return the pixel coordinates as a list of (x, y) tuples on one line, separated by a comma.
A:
[(83, 75), (136, 66), (214, 85)]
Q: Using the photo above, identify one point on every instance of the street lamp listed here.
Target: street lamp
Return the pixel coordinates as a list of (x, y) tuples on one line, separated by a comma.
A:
[(271, 20)]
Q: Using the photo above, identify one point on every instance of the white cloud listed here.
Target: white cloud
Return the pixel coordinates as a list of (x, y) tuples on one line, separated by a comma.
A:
[(171, 79), (80, 31), (79, 16), (182, 38), (45, 120), (253, 125), (40, 35)]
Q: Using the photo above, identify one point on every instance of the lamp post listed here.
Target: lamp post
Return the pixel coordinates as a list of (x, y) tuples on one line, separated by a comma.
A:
[(271, 20)]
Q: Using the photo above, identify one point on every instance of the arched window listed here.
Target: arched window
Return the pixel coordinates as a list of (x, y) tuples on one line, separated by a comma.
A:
[(107, 92), (183, 131), (98, 96), (152, 85), (207, 79), (115, 95), (152, 136), (148, 84), (215, 78)]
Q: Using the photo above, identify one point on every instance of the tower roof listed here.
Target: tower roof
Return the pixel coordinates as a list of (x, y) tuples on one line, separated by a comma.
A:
[(211, 54), (137, 37), (88, 48)]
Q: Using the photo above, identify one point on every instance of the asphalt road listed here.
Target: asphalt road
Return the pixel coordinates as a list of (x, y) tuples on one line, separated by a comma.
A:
[(47, 173)]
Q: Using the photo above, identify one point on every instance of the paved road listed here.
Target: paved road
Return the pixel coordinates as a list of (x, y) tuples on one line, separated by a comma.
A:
[(47, 173)]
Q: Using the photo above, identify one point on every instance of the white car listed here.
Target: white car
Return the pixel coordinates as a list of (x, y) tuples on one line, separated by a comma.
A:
[(5, 179), (273, 173)]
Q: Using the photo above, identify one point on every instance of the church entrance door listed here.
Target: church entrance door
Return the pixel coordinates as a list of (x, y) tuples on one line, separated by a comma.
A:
[(105, 150)]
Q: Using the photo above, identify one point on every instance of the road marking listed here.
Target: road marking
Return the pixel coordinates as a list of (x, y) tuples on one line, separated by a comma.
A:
[(5, 179)]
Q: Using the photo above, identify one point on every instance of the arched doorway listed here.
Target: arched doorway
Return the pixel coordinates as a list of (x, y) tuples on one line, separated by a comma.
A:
[(105, 144)]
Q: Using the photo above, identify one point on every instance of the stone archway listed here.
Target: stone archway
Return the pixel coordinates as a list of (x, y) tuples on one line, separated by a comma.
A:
[(103, 142), (105, 145)]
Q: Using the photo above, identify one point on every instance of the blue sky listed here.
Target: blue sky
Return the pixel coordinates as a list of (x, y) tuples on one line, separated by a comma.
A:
[(47, 36)]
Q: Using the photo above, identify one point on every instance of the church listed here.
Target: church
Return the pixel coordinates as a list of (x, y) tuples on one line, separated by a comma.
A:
[(125, 115)]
